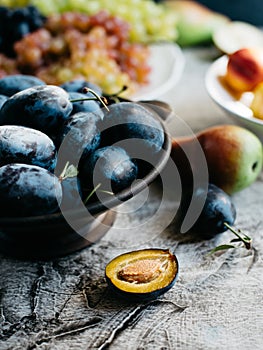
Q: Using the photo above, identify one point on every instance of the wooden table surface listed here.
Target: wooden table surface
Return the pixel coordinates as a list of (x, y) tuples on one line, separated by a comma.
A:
[(217, 302)]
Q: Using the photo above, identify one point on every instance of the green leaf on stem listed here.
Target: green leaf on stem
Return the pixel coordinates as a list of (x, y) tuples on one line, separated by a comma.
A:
[(221, 247), (69, 171), (92, 193)]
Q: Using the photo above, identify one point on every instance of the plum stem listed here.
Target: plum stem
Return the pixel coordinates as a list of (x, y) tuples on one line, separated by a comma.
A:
[(91, 193), (95, 189), (101, 99), (241, 236), (97, 97)]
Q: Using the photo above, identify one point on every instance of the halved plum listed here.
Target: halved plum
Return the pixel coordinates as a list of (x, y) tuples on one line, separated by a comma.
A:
[(142, 274)]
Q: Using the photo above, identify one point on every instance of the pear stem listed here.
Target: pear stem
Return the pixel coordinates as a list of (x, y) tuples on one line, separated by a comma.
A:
[(243, 238)]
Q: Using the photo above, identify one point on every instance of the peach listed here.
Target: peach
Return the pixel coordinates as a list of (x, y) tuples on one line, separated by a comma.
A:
[(245, 69)]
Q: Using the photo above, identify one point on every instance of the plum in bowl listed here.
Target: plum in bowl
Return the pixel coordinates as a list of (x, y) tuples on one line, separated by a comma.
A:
[(64, 171)]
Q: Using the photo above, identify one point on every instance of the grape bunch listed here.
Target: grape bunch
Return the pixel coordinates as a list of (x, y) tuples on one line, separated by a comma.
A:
[(74, 45), (15, 24), (149, 21)]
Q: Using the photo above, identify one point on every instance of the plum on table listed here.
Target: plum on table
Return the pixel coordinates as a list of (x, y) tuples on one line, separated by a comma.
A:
[(218, 215), (142, 274), (218, 209)]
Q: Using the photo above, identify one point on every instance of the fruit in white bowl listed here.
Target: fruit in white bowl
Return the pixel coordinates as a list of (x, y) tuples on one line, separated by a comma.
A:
[(245, 69)]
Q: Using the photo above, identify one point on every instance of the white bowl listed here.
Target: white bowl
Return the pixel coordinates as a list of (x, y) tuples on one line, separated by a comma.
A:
[(236, 107), (167, 64)]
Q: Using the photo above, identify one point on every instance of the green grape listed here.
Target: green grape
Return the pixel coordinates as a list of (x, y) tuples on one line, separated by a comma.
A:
[(81, 5), (47, 7), (14, 3), (112, 54)]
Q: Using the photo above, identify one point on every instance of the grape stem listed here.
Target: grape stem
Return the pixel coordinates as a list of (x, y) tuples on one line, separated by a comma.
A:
[(241, 236)]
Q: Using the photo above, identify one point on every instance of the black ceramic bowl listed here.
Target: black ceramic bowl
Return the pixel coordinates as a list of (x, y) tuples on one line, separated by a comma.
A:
[(49, 236)]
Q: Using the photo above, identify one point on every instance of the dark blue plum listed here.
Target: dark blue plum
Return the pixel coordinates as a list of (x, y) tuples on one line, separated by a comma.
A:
[(11, 84), (71, 193), (218, 209), (3, 98), (28, 190), (83, 105), (79, 137), (136, 127), (43, 107), (109, 166), (19, 144), (77, 85)]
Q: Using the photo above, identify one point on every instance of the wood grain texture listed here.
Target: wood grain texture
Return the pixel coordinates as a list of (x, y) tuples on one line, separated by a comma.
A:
[(217, 303)]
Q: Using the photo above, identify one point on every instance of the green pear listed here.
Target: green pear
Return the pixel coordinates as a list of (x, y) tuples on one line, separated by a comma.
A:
[(196, 23), (234, 156)]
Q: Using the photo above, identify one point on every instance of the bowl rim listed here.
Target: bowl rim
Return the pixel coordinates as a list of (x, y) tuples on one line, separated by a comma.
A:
[(97, 208)]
